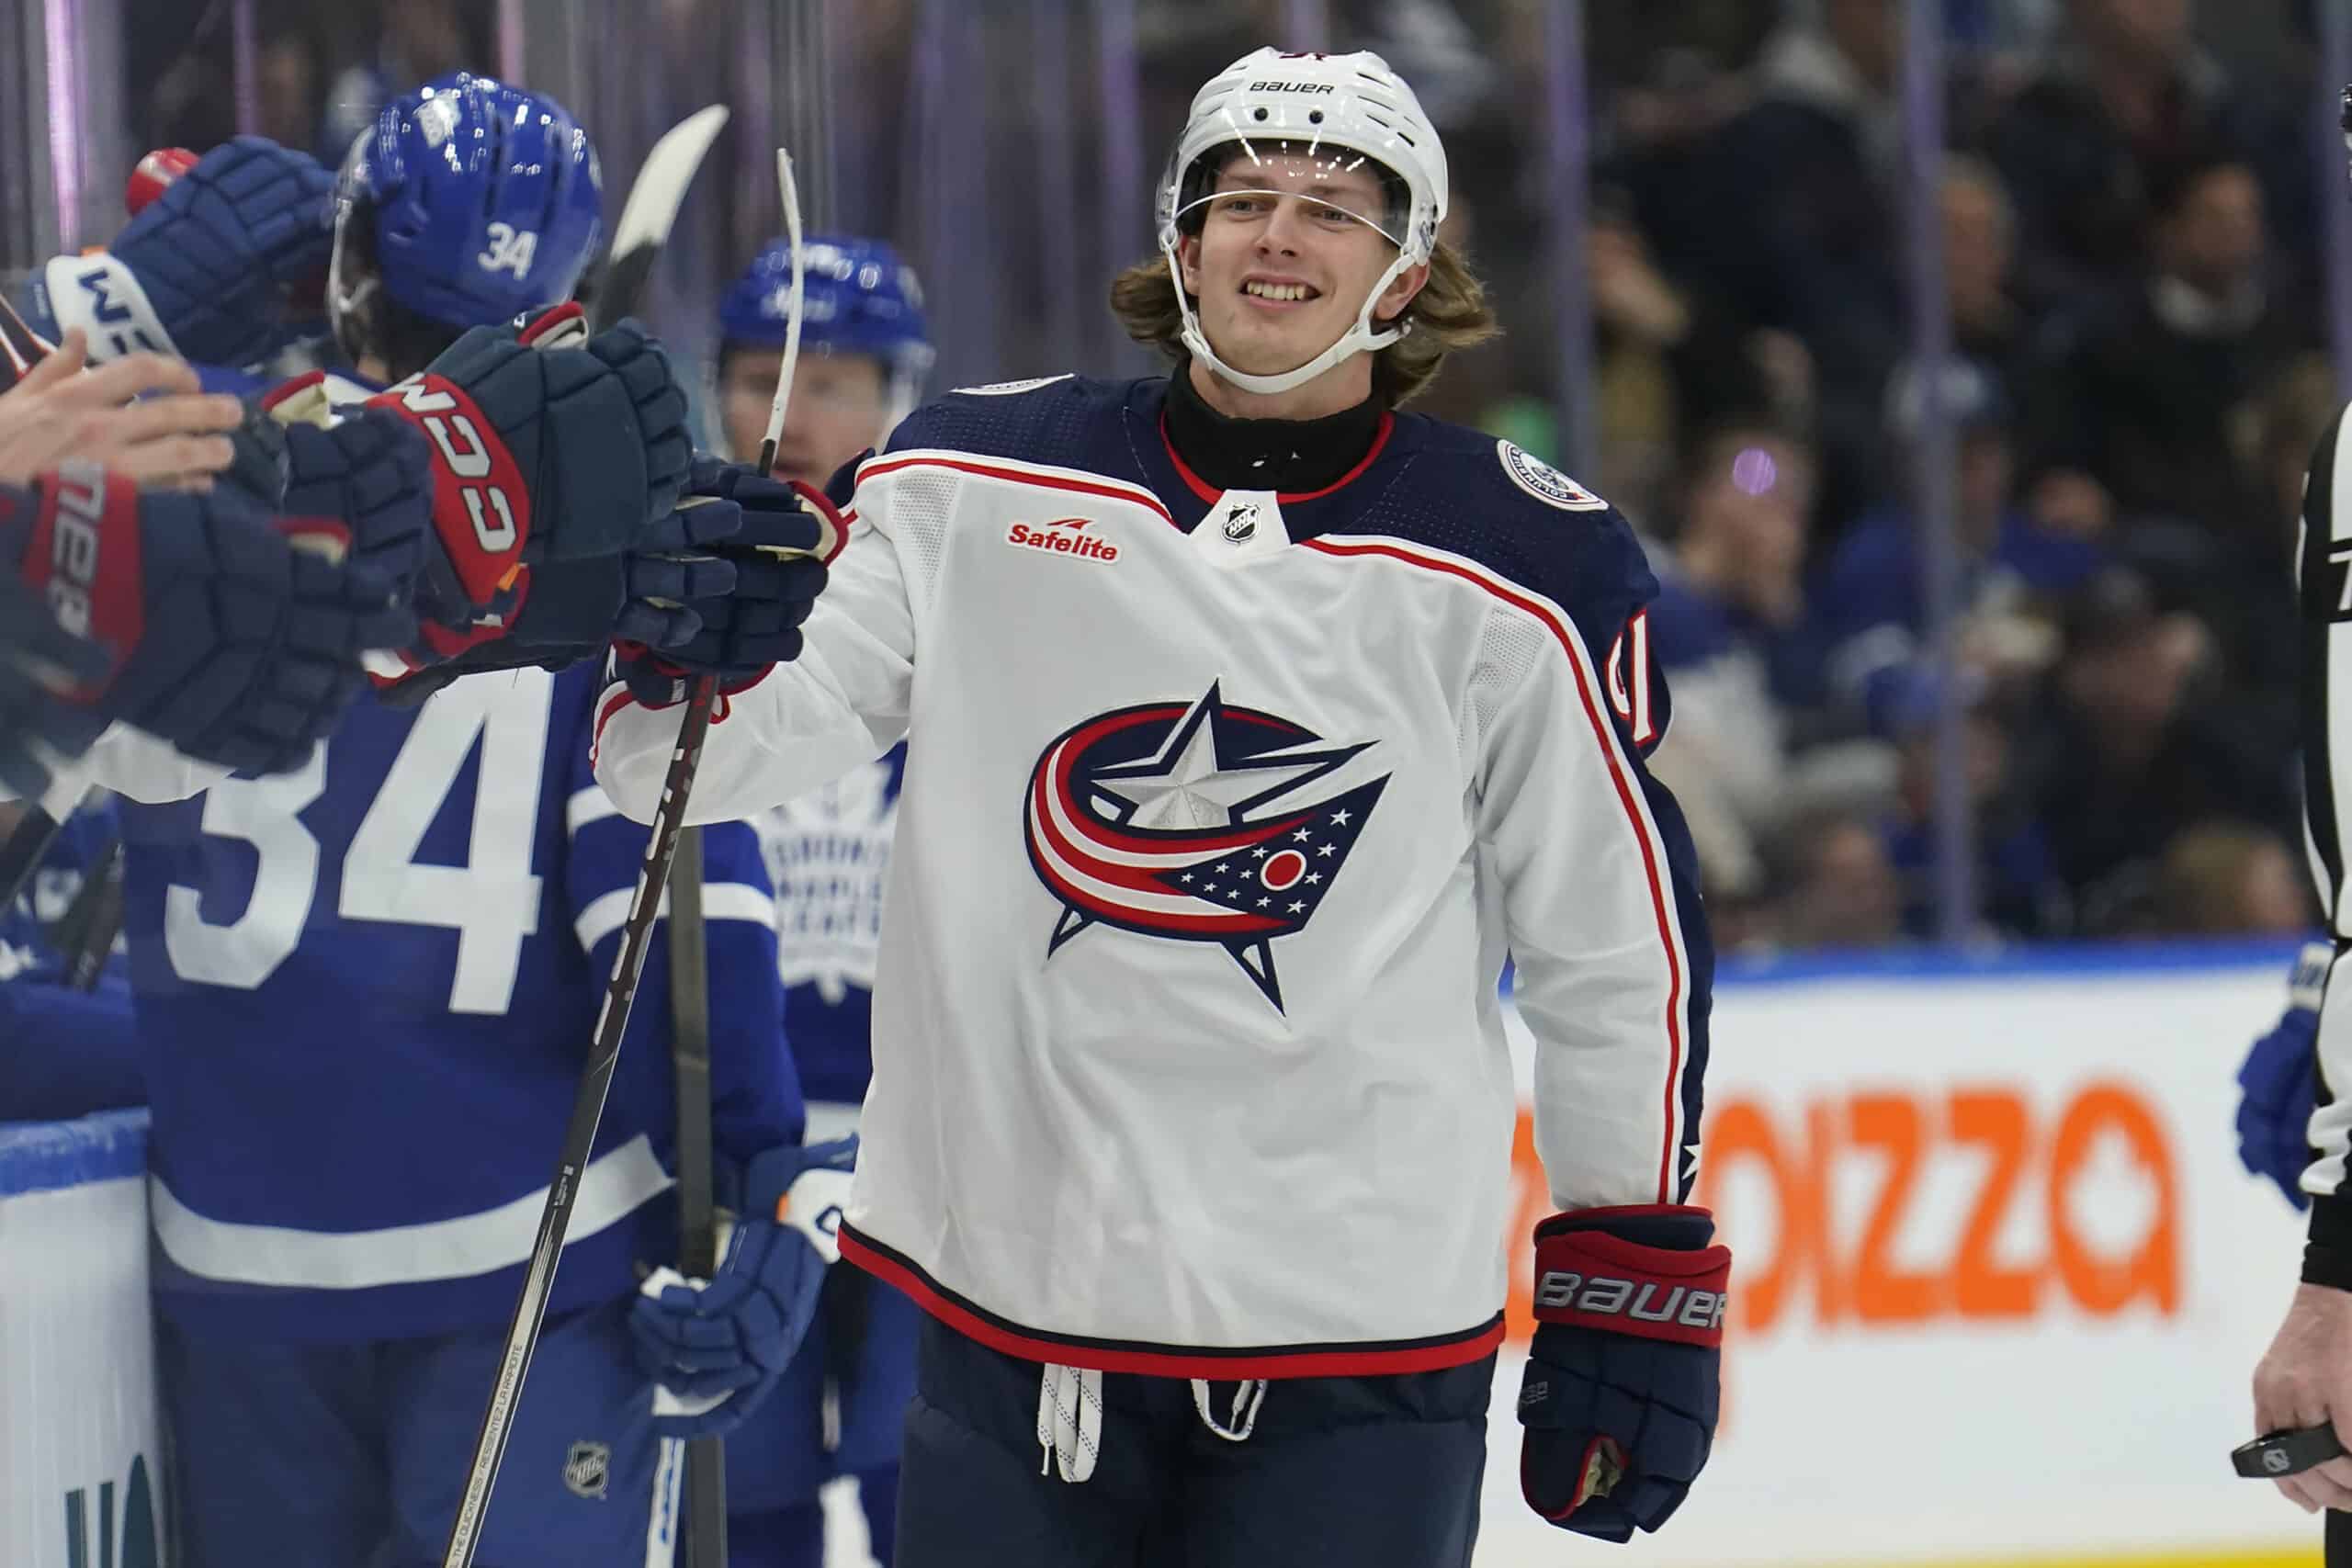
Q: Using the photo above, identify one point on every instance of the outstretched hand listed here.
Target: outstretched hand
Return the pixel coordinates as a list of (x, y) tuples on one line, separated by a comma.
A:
[(174, 434)]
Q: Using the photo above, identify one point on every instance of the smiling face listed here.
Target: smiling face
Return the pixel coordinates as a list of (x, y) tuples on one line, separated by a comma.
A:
[(1281, 261)]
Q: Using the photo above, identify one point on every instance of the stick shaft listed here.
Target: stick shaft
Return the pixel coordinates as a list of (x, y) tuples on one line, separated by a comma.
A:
[(579, 1136)]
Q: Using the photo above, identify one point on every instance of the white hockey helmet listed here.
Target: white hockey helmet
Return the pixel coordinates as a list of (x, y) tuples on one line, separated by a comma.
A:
[(1319, 104)]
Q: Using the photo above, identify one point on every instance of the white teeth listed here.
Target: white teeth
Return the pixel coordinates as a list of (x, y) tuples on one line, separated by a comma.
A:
[(1275, 290)]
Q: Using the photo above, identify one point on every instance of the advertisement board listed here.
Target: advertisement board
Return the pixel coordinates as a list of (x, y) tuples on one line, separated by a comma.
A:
[(1999, 1282), (80, 1464)]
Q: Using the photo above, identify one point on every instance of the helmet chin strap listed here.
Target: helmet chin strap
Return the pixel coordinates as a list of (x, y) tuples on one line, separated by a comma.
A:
[(1359, 335)]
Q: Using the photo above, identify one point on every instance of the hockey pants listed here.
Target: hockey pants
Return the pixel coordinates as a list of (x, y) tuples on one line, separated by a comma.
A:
[(1366, 1472)]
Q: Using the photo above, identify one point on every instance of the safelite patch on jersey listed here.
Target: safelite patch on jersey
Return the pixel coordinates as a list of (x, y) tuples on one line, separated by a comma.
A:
[(1544, 482)]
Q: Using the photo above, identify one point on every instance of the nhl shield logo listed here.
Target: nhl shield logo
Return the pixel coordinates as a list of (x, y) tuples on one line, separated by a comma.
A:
[(1193, 822), (588, 1469)]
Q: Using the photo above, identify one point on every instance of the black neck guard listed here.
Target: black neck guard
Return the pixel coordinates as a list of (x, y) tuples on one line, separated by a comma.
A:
[(1289, 455)]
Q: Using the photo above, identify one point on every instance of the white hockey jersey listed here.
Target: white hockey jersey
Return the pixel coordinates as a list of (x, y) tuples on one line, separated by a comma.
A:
[(1221, 815)]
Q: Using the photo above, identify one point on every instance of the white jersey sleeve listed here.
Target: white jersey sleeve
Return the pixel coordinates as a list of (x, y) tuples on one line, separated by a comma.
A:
[(842, 702), (1571, 830), (137, 765)]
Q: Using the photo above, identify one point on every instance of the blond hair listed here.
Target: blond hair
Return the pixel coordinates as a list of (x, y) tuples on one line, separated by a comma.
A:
[(1449, 312)]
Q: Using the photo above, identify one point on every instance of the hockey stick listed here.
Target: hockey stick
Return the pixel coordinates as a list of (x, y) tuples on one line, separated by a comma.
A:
[(651, 211), (690, 988), (106, 923), (85, 933), (698, 1211), (651, 207)]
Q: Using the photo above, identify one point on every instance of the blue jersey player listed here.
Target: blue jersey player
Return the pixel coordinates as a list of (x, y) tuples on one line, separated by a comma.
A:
[(372, 981), (840, 1408)]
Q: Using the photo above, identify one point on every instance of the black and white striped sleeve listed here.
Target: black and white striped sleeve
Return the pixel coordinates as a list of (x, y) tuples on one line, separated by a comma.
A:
[(2323, 583)]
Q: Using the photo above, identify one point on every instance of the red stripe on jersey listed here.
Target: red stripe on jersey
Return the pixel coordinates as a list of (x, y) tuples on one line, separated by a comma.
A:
[(620, 697), (1135, 497), (1209, 493), (1651, 852), (1167, 1361)]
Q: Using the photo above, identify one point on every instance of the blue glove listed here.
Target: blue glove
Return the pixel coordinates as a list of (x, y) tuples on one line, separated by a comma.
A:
[(204, 271), (556, 458), (1624, 1376), (777, 552), (235, 637), (2279, 1082), (715, 1349)]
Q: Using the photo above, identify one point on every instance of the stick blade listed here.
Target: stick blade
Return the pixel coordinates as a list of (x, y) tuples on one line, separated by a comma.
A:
[(653, 208)]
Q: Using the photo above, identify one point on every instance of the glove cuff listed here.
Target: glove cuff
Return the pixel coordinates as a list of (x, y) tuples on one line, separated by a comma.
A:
[(1588, 1275), (82, 555), (833, 525), (102, 296), (657, 684)]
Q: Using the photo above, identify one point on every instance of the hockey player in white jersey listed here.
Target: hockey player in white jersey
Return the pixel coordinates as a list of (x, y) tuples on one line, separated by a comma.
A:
[(841, 1405), (1254, 723)]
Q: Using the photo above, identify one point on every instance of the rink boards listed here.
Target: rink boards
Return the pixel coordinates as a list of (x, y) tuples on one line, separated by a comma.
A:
[(2000, 1284)]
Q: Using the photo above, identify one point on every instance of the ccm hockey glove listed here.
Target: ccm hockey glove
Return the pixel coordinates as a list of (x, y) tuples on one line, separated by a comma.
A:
[(714, 1347), (2278, 1085), (205, 270), (552, 464), (235, 637), (1622, 1380)]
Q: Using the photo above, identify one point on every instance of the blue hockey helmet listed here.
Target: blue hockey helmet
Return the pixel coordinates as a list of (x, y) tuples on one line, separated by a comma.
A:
[(856, 296), (484, 202)]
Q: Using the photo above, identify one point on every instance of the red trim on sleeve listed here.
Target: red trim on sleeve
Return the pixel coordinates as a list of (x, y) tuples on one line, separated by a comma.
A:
[(1165, 1361), (1653, 852), (619, 696)]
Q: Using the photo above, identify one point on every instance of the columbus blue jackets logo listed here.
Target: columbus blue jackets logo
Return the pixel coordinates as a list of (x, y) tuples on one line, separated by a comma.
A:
[(1194, 822)]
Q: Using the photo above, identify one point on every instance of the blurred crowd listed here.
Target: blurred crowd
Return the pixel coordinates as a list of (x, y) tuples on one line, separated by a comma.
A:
[(2131, 204), (2132, 275)]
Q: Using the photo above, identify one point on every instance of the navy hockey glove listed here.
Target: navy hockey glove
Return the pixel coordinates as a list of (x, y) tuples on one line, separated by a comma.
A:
[(1622, 1380), (786, 533), (715, 1349), (372, 474), (205, 270), (553, 463), (235, 637), (2278, 1085)]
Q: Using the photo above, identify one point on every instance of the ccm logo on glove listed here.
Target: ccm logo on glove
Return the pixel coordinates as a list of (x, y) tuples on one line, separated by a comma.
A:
[(1600, 1296), (473, 476)]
